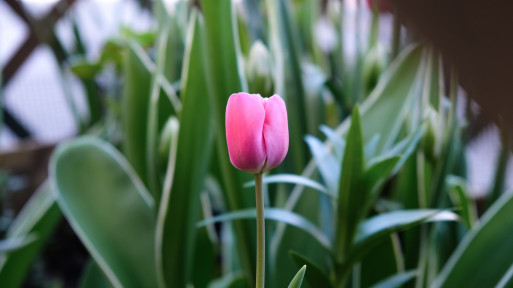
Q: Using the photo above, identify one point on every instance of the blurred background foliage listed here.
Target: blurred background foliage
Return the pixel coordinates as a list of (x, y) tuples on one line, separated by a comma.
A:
[(373, 191)]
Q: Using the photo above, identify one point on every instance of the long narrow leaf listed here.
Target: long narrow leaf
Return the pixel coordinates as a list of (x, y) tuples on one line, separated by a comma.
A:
[(275, 214), (180, 204)]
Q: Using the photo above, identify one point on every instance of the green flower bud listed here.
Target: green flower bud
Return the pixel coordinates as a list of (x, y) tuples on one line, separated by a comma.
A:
[(168, 135)]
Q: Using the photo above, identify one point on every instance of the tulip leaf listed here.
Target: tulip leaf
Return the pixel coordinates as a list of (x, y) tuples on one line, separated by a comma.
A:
[(137, 67), (384, 109), (380, 171), (336, 140), (379, 227), (488, 241), (275, 214), (10, 245), (398, 280), (179, 207), (371, 146), (460, 198), (292, 179), (315, 277), (225, 77), (121, 243), (352, 195), (231, 280), (159, 109), (327, 164), (289, 82), (298, 279), (93, 277), (27, 235)]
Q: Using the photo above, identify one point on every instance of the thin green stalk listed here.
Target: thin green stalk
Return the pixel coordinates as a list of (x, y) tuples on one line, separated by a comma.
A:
[(260, 266)]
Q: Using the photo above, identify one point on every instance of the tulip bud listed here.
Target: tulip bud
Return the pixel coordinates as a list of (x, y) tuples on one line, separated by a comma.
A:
[(257, 131), (259, 70), (169, 134), (431, 142)]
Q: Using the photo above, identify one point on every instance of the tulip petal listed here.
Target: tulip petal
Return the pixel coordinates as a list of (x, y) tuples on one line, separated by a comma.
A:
[(276, 131), (244, 122)]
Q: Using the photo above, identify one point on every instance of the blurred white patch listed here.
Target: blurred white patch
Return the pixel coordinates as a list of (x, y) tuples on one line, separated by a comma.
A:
[(325, 35)]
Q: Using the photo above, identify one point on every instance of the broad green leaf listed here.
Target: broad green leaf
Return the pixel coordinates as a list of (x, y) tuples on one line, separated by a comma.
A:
[(225, 77), (352, 195), (108, 208), (275, 214), (180, 204), (93, 276), (38, 218), (137, 69), (292, 179), (397, 280), (485, 255), (298, 279), (316, 277)]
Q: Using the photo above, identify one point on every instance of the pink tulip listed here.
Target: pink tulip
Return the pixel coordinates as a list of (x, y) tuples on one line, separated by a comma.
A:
[(257, 131)]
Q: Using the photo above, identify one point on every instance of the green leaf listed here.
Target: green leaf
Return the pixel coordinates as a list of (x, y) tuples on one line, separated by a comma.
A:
[(292, 179), (352, 195), (316, 277), (154, 113), (327, 164), (371, 146), (275, 214), (384, 109), (225, 77), (336, 140), (84, 69), (378, 172), (136, 98), (298, 279), (485, 255), (289, 82), (180, 204), (38, 218), (232, 280), (377, 228), (10, 245), (397, 280), (460, 197), (93, 276), (108, 208)]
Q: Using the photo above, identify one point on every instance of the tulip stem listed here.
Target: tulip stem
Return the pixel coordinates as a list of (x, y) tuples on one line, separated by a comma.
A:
[(260, 265)]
